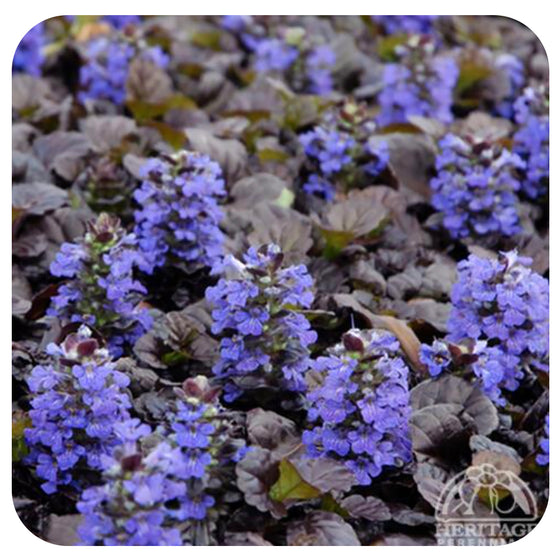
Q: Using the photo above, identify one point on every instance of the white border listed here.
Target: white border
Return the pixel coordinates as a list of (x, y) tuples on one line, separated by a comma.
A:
[(538, 15)]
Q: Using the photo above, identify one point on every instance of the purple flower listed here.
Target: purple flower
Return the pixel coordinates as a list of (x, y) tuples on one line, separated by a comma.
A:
[(131, 507), (475, 189), (101, 290), (251, 322), (316, 185), (360, 409), (118, 22), (342, 148), (263, 334), (78, 400), (195, 436), (531, 141), (235, 23), (29, 57), (105, 72), (274, 55), (378, 152), (420, 83), (143, 497), (406, 24), (436, 357), (319, 63), (330, 148), (307, 66), (504, 305), (513, 68), (178, 221), (495, 370), (543, 457)]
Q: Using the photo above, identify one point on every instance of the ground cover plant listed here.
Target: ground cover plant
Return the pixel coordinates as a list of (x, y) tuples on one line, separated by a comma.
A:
[(279, 280)]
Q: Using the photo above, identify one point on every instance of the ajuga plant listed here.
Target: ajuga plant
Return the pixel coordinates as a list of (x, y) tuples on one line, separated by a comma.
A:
[(307, 67), (342, 152), (360, 407), (487, 366), (178, 222), (543, 457), (291, 52), (475, 189), (395, 25), (132, 506), (503, 301), (107, 59), (106, 183), (77, 398), (513, 68), (417, 82), (209, 441), (29, 55), (531, 140), (500, 317), (257, 311), (174, 493), (101, 290), (119, 22)]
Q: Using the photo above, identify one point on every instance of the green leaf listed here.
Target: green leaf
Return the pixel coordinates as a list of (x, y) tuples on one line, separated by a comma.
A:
[(290, 485), (471, 73), (386, 47), (406, 128), (20, 421), (83, 20), (17, 213), (175, 138), (144, 111), (206, 39), (328, 503), (272, 155), (191, 69), (299, 109), (285, 199), (174, 358), (53, 48), (335, 241)]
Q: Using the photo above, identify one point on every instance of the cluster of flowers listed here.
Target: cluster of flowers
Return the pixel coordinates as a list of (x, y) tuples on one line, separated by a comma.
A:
[(419, 83), (475, 188), (77, 401), (207, 442), (502, 307), (153, 499), (119, 22), (102, 291), (488, 365), (515, 72), (308, 66), (29, 56), (361, 407), (504, 301), (531, 141), (341, 150), (130, 509), (405, 24), (543, 457), (265, 338), (179, 216), (107, 60)]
